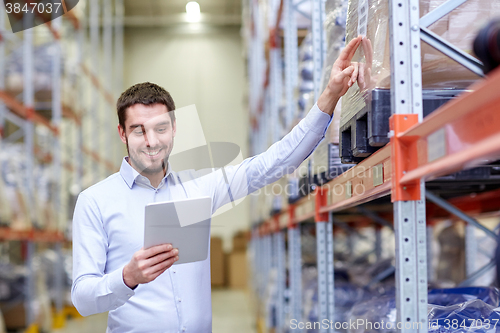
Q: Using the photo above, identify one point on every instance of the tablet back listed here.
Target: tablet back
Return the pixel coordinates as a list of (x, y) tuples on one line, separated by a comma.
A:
[(183, 223)]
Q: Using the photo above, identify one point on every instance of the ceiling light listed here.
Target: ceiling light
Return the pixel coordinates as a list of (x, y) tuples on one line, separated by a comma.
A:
[(193, 11)]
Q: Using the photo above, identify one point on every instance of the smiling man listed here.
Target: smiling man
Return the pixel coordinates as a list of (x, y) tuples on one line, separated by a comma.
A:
[(139, 287)]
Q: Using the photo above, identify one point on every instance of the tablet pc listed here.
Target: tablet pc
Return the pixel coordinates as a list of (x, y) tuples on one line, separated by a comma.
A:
[(183, 223)]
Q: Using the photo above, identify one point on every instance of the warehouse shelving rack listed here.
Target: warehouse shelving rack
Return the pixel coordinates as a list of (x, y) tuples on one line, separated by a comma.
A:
[(463, 133), (68, 154)]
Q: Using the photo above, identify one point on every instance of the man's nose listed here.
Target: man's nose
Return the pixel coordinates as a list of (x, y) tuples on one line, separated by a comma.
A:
[(150, 138)]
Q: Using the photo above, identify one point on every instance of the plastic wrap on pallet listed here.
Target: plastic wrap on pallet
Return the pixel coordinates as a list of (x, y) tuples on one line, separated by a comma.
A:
[(471, 317), (335, 22), (305, 82), (443, 297), (438, 71), (471, 311)]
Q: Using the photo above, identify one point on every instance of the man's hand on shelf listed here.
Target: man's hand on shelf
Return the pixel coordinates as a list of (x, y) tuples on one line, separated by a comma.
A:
[(147, 264), (343, 75)]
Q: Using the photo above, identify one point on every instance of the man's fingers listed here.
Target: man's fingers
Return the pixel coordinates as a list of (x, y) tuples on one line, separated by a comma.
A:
[(346, 73), (163, 266), (162, 257), (154, 250), (354, 75), (348, 52)]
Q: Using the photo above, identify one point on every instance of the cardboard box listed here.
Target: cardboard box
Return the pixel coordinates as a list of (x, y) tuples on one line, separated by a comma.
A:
[(238, 270), (217, 263), (240, 241), (14, 316)]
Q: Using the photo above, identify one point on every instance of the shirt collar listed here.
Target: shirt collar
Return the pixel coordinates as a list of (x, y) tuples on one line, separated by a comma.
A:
[(129, 174)]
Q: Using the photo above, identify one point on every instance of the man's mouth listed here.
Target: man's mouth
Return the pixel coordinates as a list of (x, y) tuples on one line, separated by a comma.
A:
[(152, 153)]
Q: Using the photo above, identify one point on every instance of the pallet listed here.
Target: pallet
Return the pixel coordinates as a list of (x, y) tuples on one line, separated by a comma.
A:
[(367, 130)]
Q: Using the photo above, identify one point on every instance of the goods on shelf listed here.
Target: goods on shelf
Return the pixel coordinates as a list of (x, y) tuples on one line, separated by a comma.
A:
[(42, 74), (471, 307), (366, 106), (305, 82), (13, 172), (326, 157), (12, 297), (48, 262), (452, 255)]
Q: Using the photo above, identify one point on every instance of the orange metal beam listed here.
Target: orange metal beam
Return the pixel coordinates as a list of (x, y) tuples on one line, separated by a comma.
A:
[(359, 184), (26, 113), (69, 113), (304, 208), (98, 85), (403, 153), (30, 234), (464, 132), (95, 156)]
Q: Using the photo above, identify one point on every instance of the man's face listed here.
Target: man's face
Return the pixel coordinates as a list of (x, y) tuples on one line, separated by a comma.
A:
[(149, 135)]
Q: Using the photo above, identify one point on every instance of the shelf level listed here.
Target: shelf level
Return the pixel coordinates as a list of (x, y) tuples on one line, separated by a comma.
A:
[(8, 234)]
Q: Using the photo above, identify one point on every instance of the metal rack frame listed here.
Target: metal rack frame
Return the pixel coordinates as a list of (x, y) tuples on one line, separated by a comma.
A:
[(23, 114), (394, 169)]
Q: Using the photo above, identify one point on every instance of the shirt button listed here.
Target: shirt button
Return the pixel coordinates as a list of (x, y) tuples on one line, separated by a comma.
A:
[(179, 300), (129, 295), (174, 271), (184, 329)]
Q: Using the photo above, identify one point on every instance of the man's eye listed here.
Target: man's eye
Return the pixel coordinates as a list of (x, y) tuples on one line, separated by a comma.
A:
[(161, 130), (139, 132)]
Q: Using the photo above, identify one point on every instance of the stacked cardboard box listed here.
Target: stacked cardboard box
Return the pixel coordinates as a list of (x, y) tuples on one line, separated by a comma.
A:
[(237, 262), (217, 263)]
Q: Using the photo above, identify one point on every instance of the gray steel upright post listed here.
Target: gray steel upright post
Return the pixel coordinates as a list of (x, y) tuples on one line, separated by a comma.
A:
[(321, 253), (319, 43), (291, 60), (118, 70), (2, 73), (430, 252), (471, 247), (279, 256), (107, 46), (29, 130), (94, 132), (330, 272), (409, 216), (78, 149), (295, 274), (57, 154)]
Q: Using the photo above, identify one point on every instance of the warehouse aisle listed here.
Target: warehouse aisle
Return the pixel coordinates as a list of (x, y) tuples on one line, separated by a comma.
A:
[(231, 313)]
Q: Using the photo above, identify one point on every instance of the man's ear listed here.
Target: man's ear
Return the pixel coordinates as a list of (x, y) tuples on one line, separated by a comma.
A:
[(122, 134)]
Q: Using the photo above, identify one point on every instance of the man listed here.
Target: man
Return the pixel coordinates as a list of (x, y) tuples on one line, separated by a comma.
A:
[(139, 287)]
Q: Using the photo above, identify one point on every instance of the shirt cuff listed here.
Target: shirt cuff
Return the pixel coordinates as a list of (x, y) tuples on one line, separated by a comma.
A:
[(118, 286), (317, 120)]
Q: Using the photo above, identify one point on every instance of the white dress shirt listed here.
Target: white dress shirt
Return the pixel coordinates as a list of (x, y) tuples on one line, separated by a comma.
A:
[(108, 228)]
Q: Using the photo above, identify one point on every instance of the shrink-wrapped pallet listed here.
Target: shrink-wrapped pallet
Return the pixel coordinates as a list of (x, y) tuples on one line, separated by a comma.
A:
[(371, 19)]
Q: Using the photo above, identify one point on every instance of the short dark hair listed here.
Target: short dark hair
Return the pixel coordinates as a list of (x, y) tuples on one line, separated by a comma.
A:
[(146, 93)]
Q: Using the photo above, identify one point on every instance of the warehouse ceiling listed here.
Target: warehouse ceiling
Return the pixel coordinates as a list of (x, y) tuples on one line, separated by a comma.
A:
[(171, 12)]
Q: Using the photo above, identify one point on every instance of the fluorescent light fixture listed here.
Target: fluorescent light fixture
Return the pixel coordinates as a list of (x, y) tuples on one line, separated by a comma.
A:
[(193, 11)]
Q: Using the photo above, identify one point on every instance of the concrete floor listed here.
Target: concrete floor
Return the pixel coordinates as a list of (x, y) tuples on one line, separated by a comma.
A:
[(232, 312)]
